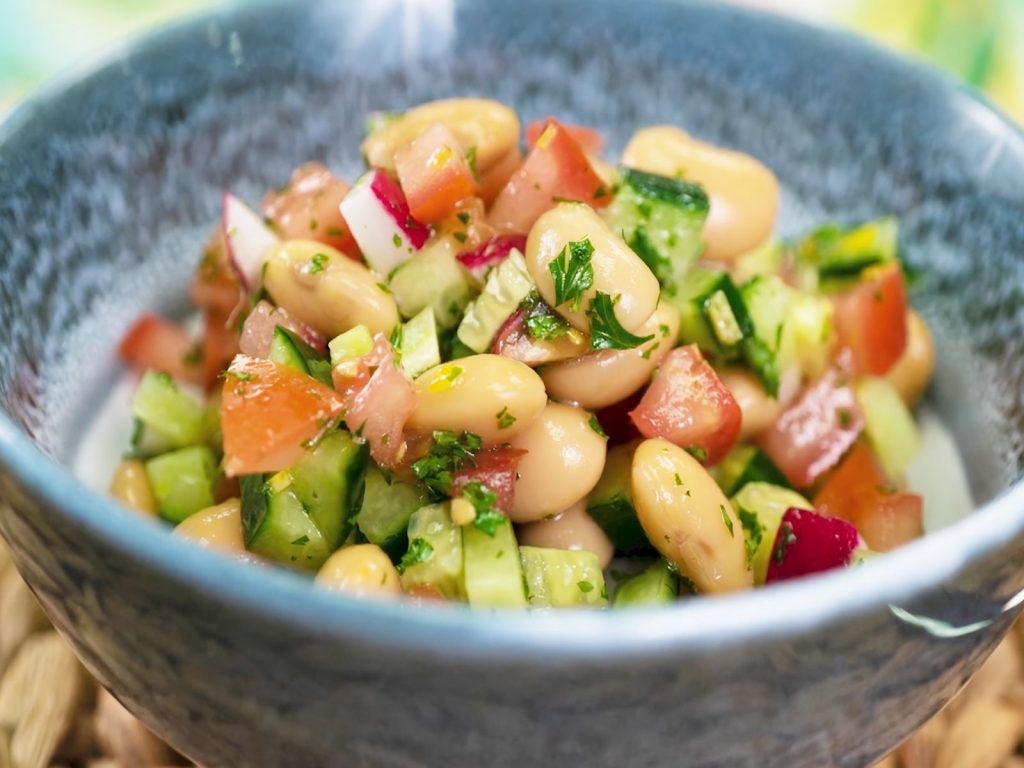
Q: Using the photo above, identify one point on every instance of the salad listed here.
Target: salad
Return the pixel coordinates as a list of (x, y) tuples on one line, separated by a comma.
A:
[(519, 376)]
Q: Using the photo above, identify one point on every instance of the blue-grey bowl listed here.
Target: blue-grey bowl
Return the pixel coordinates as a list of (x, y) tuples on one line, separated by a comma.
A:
[(108, 184)]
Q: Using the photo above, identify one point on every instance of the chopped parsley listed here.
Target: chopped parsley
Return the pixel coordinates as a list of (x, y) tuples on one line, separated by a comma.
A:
[(483, 499), (397, 240), (460, 236), (301, 541), (585, 586), (595, 425), (697, 452), (606, 332), (786, 537), (420, 551), (542, 322), (844, 417), (318, 262), (334, 232), (727, 520), (753, 532), (678, 479), (312, 225), (240, 375), (573, 273), (463, 217), (450, 452), (471, 162), (505, 419)]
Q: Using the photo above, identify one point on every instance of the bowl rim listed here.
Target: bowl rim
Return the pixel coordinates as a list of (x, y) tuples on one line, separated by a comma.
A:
[(700, 625)]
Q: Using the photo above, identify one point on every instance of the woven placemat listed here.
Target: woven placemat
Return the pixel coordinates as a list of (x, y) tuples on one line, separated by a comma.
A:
[(53, 714)]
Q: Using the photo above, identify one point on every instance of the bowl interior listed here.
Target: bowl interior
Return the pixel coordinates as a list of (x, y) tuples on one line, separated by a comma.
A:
[(110, 185)]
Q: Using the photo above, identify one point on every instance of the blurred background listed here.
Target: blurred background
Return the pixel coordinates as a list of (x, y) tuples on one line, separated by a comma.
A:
[(979, 41)]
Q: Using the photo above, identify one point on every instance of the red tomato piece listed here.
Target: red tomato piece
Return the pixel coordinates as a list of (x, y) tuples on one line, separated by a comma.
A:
[(220, 345), (160, 344), (871, 319), (434, 173), (814, 432), (494, 179), (808, 542), (556, 169), (495, 470), (688, 405), (590, 140), (269, 413), (307, 209), (616, 422), (858, 492)]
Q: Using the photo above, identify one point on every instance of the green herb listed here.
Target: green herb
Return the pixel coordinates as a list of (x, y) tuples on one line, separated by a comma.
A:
[(334, 232), (460, 236), (542, 322), (165, 378), (678, 479), (318, 262), (397, 240), (786, 537), (844, 416), (663, 330), (606, 332), (483, 499), (384, 287), (595, 425), (420, 551), (301, 541), (573, 273), (753, 532), (697, 452), (585, 586), (727, 520), (505, 419), (600, 192), (686, 583), (451, 374), (312, 225), (194, 356), (463, 217), (240, 375), (471, 162), (396, 336), (449, 453)]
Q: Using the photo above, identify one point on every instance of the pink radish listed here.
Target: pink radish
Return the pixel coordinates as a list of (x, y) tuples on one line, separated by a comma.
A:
[(378, 216), (490, 252), (809, 542), (248, 239)]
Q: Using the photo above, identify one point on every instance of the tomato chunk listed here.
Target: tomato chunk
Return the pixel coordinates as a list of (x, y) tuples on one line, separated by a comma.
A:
[(496, 470), (160, 344), (269, 413), (688, 405), (814, 432), (307, 209), (871, 319), (434, 173), (220, 345), (556, 169), (215, 284), (858, 492), (590, 140)]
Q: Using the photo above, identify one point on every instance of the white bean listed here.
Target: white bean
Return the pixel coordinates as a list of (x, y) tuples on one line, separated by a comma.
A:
[(360, 570), (572, 529)]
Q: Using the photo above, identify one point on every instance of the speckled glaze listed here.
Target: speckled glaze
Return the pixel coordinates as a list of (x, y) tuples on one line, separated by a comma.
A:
[(108, 184)]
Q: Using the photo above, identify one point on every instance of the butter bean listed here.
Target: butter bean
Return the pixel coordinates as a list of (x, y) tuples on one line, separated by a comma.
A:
[(760, 410), (130, 486), (218, 528), (360, 570)]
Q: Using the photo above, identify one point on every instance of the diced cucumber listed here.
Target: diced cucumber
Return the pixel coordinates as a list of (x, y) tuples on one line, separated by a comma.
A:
[(746, 464), (353, 343), (507, 285), (889, 425), (655, 585), (170, 418), (432, 278), (562, 578), (147, 442), (494, 572), (419, 347), (388, 504), (289, 350), (760, 507), (765, 259), (661, 220), (807, 335), (276, 525), (329, 481), (442, 569), (712, 313), (840, 255), (182, 481), (610, 504)]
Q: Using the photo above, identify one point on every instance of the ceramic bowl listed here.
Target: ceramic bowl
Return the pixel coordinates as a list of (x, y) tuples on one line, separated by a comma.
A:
[(109, 182)]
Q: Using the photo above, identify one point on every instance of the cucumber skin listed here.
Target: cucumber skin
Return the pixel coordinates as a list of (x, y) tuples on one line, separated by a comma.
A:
[(333, 517), (263, 513), (403, 497), (166, 475)]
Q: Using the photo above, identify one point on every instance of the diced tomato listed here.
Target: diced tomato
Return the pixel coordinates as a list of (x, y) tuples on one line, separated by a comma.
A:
[(160, 344), (493, 251), (814, 432), (307, 209), (590, 140), (494, 179), (688, 405), (616, 422), (858, 492), (215, 283), (379, 399), (466, 225), (808, 542), (871, 319), (496, 470), (269, 413), (556, 169), (434, 173), (258, 330), (220, 345)]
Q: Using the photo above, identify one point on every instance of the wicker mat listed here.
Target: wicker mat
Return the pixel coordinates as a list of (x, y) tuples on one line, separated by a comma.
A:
[(53, 714)]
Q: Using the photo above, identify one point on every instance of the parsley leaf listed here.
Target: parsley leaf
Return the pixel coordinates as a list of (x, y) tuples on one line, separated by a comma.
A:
[(727, 520), (585, 586), (542, 322), (572, 273), (450, 452), (505, 419), (606, 332), (318, 262), (471, 162), (753, 532), (420, 551), (595, 425), (483, 499)]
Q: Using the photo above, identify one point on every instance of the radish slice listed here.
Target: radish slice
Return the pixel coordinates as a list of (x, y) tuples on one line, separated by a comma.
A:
[(248, 239), (809, 542), (489, 253), (379, 219)]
